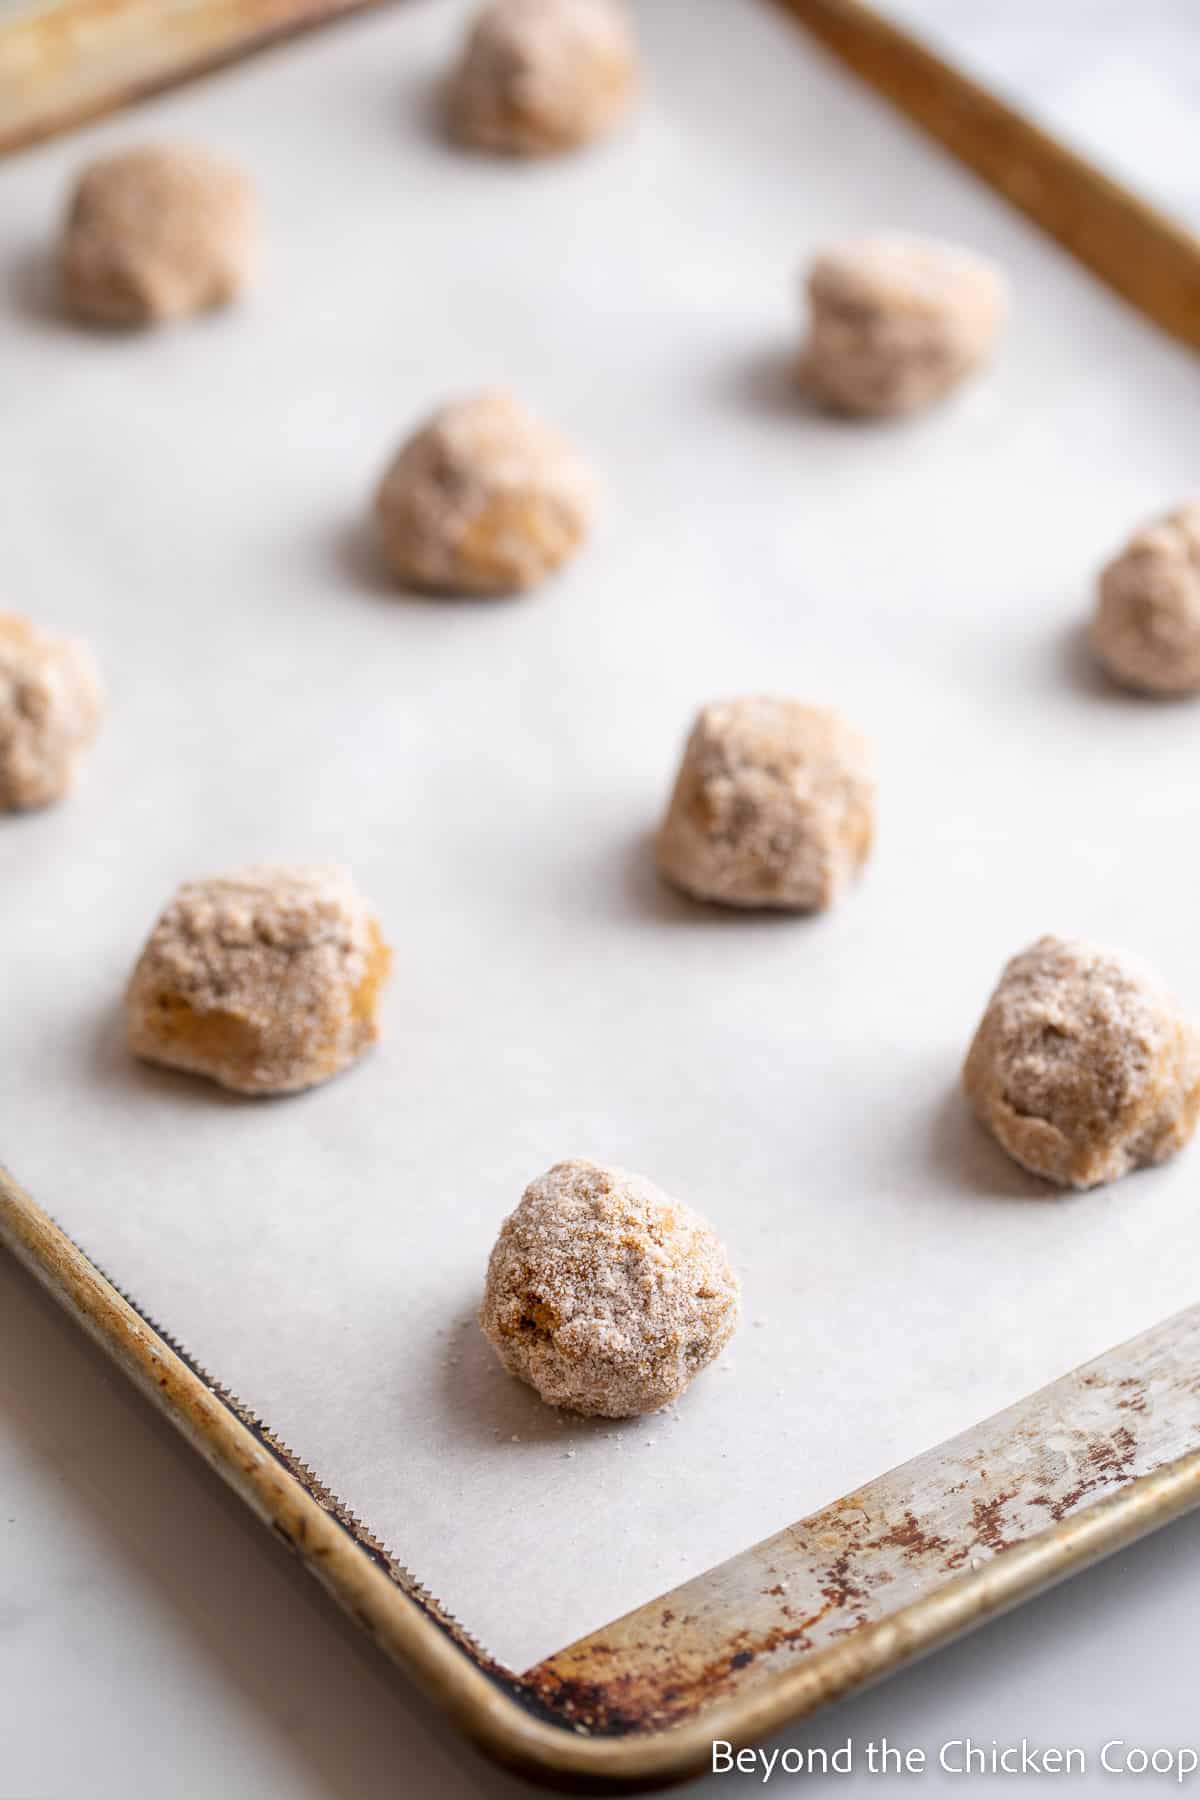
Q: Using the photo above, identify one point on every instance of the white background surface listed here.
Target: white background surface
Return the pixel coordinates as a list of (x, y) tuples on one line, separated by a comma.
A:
[(269, 697), (1121, 83)]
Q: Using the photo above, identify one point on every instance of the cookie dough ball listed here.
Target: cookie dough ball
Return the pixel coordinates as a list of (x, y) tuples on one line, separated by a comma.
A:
[(51, 704), (774, 805), (267, 980), (543, 75), (1082, 1067), (1146, 630), (897, 323), (485, 499), (156, 233), (604, 1294)]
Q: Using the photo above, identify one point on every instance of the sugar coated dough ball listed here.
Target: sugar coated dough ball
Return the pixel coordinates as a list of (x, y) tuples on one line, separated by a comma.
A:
[(485, 499), (1082, 1067), (604, 1294), (774, 805), (1146, 629), (267, 980), (51, 704), (156, 233), (543, 75), (898, 322)]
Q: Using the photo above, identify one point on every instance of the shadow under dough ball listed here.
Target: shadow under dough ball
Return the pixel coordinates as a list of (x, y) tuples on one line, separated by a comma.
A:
[(897, 323), (773, 806), (51, 705), (539, 76), (606, 1295), (484, 499), (157, 233), (1082, 1067), (267, 980), (1146, 628)]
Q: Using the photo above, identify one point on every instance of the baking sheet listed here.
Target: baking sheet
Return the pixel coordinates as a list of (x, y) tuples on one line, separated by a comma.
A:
[(193, 503)]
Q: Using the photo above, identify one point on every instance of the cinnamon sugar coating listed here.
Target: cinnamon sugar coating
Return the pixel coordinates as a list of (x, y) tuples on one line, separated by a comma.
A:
[(484, 499), (537, 76), (267, 980), (897, 322), (1146, 629), (51, 704), (774, 805), (1082, 1067), (604, 1294), (155, 233)]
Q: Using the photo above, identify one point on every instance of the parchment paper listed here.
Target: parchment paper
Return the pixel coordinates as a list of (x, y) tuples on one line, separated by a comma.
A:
[(192, 501)]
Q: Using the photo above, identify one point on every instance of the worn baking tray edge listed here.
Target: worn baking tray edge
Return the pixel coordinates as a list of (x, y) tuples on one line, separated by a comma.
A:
[(63, 62), (885, 1575)]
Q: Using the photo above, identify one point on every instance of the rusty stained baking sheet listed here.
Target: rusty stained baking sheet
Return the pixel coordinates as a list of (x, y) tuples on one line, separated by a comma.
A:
[(1028, 1481), (1024, 1500), (1021, 1501), (193, 503)]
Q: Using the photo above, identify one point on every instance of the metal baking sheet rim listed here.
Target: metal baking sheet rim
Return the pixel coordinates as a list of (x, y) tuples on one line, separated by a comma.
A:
[(523, 1720)]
